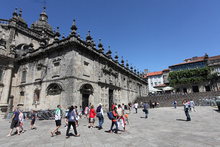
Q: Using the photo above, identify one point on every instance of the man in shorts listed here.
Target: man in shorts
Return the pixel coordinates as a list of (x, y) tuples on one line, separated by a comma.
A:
[(15, 122), (58, 117)]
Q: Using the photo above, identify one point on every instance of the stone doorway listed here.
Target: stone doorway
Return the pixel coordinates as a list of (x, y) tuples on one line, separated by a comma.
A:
[(110, 93), (85, 101), (86, 90)]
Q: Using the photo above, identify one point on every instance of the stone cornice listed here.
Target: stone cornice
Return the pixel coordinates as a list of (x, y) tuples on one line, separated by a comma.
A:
[(62, 44)]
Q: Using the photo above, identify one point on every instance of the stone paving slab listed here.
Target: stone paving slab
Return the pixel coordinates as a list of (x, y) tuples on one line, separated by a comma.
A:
[(165, 127)]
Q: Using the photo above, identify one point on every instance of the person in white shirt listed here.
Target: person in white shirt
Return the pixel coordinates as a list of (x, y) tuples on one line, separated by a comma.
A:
[(136, 107), (186, 109), (192, 105), (58, 116)]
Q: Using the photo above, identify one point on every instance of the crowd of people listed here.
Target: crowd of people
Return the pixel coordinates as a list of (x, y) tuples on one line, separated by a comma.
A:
[(118, 115)]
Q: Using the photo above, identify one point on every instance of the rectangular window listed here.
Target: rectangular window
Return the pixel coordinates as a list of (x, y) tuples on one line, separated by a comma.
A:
[(1, 74), (23, 77), (86, 63)]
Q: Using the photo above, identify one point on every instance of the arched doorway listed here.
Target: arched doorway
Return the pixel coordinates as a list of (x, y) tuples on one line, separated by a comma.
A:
[(86, 90)]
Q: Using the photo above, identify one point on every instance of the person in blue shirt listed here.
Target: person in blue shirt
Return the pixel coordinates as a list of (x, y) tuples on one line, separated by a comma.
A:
[(71, 121), (14, 122)]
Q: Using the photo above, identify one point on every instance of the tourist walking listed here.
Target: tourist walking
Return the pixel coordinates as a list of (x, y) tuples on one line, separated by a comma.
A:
[(71, 121), (174, 104), (145, 110), (92, 115), (100, 115), (77, 115), (192, 106), (121, 121), (14, 122), (186, 109), (33, 119), (21, 121), (58, 117), (136, 107), (114, 120)]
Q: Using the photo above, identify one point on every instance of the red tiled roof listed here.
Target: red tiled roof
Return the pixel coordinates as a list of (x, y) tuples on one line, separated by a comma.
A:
[(195, 58), (187, 62), (165, 70), (214, 57), (154, 73)]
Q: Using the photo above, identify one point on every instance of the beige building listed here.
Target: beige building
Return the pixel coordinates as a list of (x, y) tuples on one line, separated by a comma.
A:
[(38, 70)]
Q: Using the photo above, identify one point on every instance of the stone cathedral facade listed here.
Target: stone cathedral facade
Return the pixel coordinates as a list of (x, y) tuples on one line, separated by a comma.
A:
[(39, 69)]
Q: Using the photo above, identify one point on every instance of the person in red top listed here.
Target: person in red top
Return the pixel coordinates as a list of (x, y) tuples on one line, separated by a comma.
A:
[(113, 106), (92, 115), (114, 120)]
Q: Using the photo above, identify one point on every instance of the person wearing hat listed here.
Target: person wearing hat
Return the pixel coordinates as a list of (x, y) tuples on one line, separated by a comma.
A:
[(100, 115)]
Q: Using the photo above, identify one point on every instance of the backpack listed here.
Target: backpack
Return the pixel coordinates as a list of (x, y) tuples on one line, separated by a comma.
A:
[(110, 115), (98, 109), (71, 116)]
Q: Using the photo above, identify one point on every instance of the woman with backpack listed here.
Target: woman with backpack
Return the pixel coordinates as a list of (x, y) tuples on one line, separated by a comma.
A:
[(71, 121), (100, 115), (114, 120)]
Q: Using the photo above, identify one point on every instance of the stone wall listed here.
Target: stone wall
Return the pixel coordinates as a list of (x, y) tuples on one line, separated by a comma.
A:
[(72, 67), (166, 100)]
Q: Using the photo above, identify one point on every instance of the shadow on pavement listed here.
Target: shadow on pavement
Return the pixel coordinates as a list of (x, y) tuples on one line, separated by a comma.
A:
[(180, 119), (217, 110)]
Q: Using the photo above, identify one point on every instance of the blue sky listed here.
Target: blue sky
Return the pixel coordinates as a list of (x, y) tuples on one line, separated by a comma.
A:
[(150, 34)]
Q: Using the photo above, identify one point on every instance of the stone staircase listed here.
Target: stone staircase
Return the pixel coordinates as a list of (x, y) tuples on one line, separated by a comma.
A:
[(166, 100)]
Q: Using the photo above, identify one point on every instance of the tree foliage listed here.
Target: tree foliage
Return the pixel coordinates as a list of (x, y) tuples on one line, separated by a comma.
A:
[(191, 76)]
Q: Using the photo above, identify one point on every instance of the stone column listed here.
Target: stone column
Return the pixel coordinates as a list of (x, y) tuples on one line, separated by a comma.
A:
[(6, 89)]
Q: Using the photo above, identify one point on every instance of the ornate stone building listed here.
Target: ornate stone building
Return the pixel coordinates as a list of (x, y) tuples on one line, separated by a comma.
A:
[(38, 70)]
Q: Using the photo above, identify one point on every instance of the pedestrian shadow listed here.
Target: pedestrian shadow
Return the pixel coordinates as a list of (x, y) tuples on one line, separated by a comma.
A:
[(217, 110), (142, 117), (180, 119)]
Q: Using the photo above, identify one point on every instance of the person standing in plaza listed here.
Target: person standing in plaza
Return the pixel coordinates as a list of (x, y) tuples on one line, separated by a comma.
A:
[(186, 109), (86, 111), (33, 119), (174, 104), (71, 121), (92, 115), (14, 122), (146, 107), (58, 117), (136, 107), (100, 115), (114, 120)]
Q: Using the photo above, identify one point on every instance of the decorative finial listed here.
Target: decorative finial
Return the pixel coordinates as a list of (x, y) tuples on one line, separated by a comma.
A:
[(122, 61), (109, 52), (57, 34), (44, 8), (100, 46), (20, 12), (88, 38), (15, 14), (73, 28), (116, 56), (127, 65)]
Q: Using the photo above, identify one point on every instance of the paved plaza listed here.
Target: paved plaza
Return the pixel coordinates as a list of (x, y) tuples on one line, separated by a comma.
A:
[(165, 127)]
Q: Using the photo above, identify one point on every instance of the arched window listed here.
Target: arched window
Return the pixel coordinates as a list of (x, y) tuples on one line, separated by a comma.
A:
[(54, 89)]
